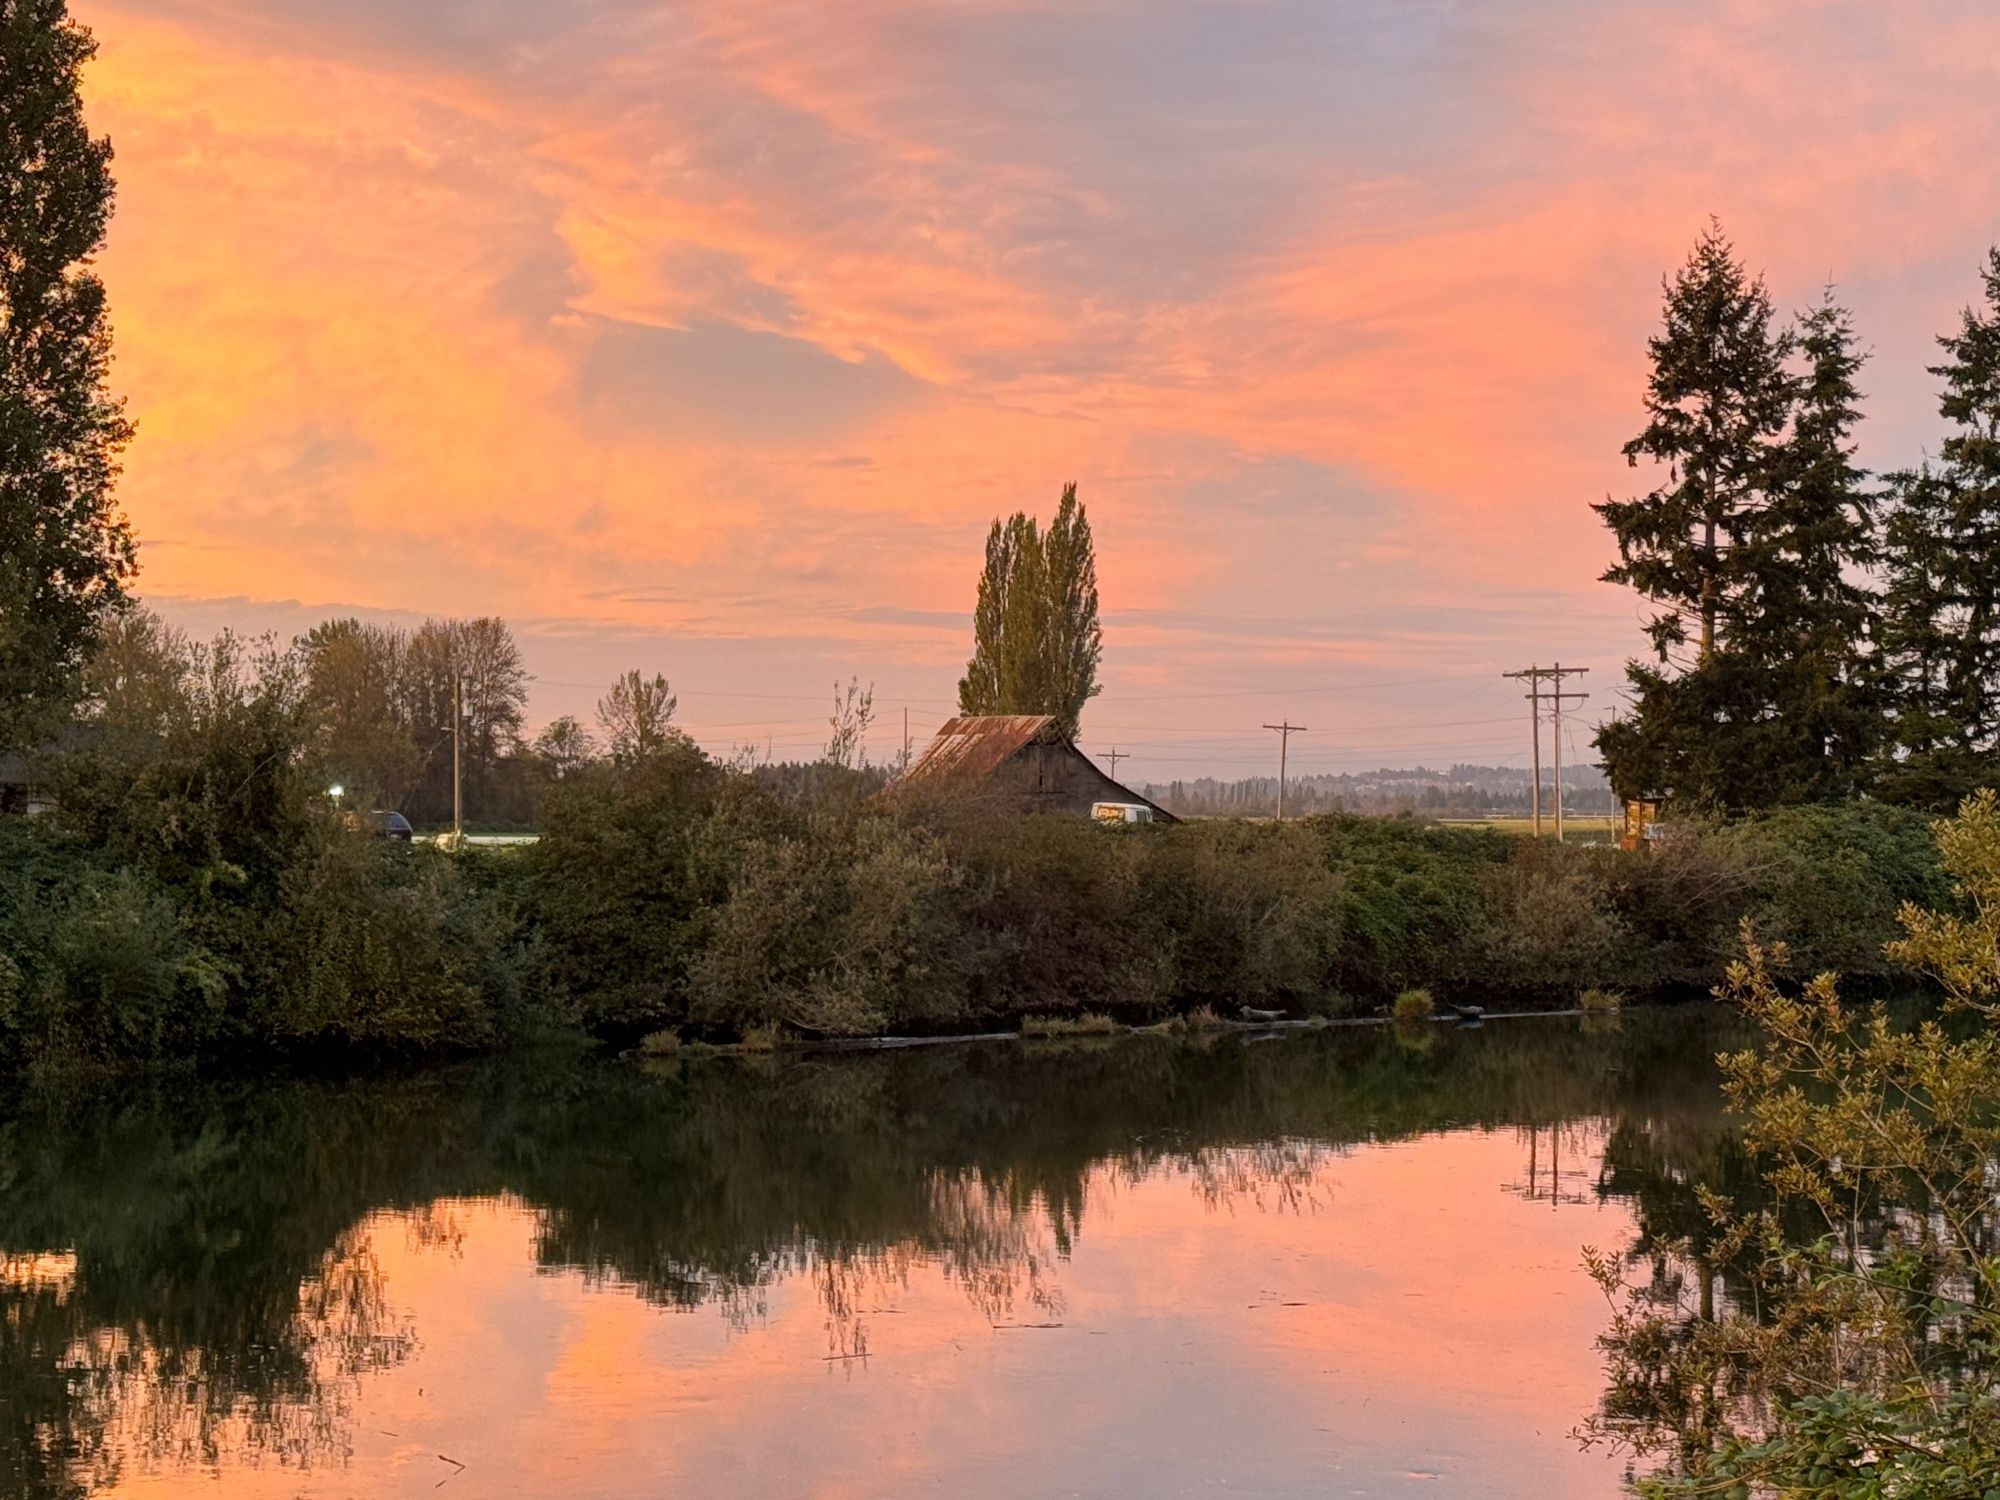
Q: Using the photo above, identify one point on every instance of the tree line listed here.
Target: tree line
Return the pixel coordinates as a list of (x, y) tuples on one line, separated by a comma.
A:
[(1820, 632)]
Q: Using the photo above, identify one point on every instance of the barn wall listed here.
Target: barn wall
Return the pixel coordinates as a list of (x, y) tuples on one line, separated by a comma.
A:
[(1060, 775)]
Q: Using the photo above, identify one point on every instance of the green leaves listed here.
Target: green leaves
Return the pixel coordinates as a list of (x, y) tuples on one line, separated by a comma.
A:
[(1036, 639), (65, 553), (1860, 1354)]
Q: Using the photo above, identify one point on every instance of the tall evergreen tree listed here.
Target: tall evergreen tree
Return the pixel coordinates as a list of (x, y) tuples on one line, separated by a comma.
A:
[(1036, 642), (65, 552), (1941, 626), (1799, 637), (1763, 690), (1716, 404)]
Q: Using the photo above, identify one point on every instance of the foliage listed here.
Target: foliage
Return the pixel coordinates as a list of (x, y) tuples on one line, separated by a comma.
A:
[(1414, 1005), (1716, 404), (381, 703), (1860, 1356), (1411, 896), (1760, 695), (853, 712), (1090, 1023), (65, 552), (1545, 922), (1036, 638), (637, 717), (1596, 1001), (194, 893), (627, 862), (841, 926), (1829, 882), (1941, 617)]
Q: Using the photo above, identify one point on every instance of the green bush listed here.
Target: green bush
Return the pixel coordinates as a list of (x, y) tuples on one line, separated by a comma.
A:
[(1241, 911), (840, 928), (1828, 881), (1411, 896), (628, 862), (1414, 1005), (1547, 922)]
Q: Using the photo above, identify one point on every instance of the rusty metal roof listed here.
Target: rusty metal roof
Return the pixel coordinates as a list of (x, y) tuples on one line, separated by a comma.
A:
[(974, 746)]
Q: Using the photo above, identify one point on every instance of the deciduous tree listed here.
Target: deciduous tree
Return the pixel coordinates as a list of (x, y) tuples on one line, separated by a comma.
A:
[(637, 717), (1036, 638), (65, 551)]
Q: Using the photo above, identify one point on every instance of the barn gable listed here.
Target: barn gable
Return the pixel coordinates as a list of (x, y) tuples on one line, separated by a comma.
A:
[(1025, 755)]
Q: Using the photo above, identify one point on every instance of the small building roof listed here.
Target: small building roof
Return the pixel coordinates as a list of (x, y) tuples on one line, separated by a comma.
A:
[(974, 746)]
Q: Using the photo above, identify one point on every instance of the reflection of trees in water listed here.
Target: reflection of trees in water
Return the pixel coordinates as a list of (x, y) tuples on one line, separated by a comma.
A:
[(224, 1301), (1280, 1176), (88, 1398)]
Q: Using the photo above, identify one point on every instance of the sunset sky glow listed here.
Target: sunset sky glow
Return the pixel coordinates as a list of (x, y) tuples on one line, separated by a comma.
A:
[(708, 337)]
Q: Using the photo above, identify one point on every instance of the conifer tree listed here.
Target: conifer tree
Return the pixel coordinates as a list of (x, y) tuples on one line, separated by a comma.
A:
[(65, 552), (1754, 547), (1800, 634), (1716, 404), (1941, 626)]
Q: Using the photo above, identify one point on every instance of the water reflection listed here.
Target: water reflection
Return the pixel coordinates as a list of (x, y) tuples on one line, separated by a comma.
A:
[(1261, 1255)]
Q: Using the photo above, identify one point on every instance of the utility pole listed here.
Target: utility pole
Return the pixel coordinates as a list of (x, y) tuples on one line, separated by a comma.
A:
[(1114, 755), (1559, 672), (906, 736), (457, 786), (1285, 732), (1534, 676)]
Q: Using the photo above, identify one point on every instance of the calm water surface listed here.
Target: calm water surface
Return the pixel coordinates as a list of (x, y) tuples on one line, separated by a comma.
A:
[(1340, 1263)]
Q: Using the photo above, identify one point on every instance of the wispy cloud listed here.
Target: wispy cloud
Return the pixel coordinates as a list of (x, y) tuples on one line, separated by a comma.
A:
[(735, 320)]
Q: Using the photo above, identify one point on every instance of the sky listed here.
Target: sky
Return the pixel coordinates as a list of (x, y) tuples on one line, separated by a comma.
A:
[(708, 337)]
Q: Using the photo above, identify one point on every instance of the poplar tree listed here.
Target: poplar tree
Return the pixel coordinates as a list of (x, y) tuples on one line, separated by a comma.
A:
[(1072, 641), (1941, 625), (65, 552), (1036, 641)]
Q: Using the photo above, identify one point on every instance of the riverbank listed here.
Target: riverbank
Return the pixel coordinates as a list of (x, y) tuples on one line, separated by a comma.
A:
[(204, 904)]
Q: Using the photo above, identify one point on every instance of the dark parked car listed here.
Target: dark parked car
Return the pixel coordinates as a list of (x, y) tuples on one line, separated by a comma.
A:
[(382, 825)]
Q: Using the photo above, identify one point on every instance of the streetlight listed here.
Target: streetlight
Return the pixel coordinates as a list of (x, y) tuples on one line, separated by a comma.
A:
[(336, 792)]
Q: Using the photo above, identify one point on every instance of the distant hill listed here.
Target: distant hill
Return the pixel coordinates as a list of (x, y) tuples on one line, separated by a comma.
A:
[(1461, 791)]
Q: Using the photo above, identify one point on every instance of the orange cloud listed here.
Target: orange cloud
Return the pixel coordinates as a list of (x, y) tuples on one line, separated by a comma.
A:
[(734, 325)]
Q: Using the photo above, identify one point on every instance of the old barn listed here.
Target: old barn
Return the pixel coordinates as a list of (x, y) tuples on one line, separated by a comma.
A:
[(1023, 756)]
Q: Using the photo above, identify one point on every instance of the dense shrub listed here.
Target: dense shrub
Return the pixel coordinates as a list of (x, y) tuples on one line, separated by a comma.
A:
[(1828, 881), (1546, 922), (1053, 912), (196, 894), (842, 928), (1411, 898), (628, 861), (1240, 911)]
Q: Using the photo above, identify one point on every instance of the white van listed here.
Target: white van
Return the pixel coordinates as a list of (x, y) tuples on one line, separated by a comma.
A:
[(1121, 812)]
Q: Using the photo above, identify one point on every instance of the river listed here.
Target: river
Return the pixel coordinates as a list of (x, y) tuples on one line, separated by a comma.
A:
[(1336, 1263)]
